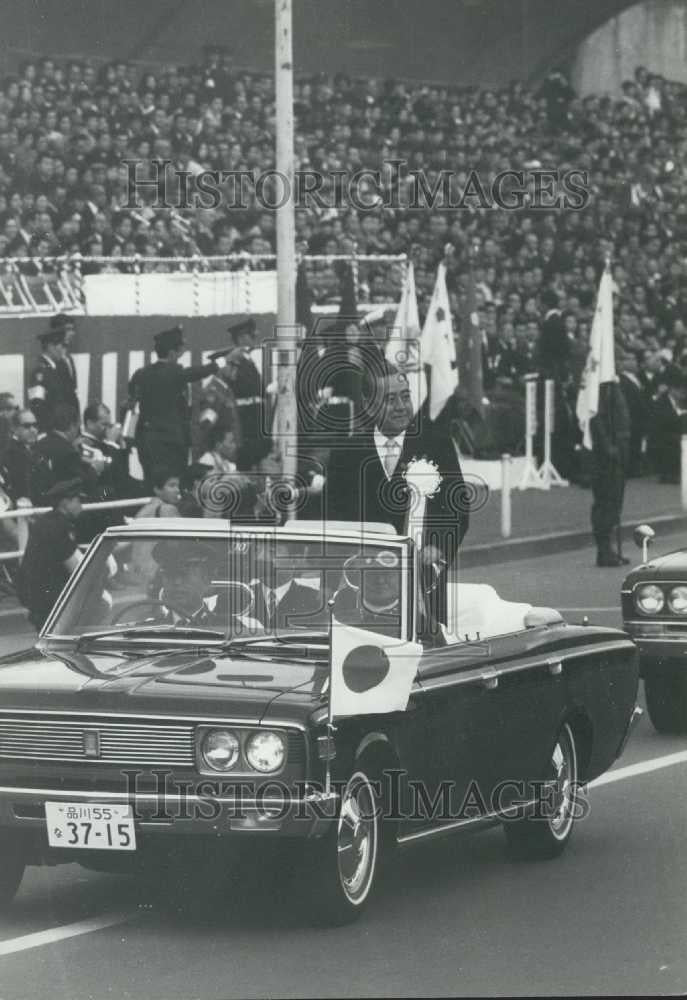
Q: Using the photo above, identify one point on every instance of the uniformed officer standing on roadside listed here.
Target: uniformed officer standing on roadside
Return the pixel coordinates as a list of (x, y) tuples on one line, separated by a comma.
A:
[(163, 432), (610, 430), (245, 379), (52, 381), (66, 324), (51, 553)]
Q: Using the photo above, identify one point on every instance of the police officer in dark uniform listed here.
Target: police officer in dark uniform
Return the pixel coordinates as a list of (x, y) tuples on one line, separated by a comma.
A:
[(65, 323), (610, 430), (242, 374), (51, 553), (163, 432), (52, 380)]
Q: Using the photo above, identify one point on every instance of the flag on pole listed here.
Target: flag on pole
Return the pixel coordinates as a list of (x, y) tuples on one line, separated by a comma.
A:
[(403, 345), (370, 673), (470, 347), (437, 347), (600, 365)]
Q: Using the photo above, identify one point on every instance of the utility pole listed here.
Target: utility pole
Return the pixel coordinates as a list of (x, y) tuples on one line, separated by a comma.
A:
[(286, 332)]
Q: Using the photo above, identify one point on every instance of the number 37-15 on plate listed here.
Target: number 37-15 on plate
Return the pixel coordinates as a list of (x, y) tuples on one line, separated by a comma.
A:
[(87, 826)]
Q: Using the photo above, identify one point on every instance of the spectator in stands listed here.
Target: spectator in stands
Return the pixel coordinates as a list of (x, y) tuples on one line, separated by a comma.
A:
[(8, 409), (164, 503), (221, 456), (59, 450), (166, 495), (21, 461)]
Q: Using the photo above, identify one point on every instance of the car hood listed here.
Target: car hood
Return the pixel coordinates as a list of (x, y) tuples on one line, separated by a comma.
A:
[(167, 682), (672, 566)]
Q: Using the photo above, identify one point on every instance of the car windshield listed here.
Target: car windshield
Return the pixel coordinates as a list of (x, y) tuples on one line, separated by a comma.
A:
[(232, 587)]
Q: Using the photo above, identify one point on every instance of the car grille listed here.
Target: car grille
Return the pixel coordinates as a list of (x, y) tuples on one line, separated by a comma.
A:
[(100, 740), (96, 740)]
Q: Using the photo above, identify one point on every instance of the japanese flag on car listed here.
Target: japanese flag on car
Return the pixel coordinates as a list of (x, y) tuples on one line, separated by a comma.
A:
[(370, 673)]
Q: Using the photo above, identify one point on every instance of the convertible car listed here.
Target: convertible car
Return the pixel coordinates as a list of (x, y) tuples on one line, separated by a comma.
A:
[(178, 698), (654, 605)]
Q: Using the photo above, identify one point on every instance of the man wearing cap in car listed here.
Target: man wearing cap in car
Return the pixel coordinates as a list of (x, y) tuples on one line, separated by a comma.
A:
[(52, 381), (371, 598), (163, 432), (51, 553), (187, 594), (245, 379)]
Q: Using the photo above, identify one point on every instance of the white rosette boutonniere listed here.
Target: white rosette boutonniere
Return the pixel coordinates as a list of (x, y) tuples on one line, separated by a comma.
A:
[(423, 479)]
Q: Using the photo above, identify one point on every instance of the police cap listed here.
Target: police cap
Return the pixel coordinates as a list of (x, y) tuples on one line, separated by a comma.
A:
[(169, 340), (179, 552), (65, 490), (246, 326), (61, 322)]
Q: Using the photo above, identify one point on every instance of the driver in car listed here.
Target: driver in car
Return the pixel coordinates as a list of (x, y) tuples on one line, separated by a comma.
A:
[(188, 593)]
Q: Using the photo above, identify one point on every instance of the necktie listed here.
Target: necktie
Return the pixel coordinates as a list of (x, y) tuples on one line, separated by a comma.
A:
[(271, 605), (391, 457)]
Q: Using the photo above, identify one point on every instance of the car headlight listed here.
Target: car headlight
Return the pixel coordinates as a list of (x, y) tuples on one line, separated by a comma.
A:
[(677, 600), (220, 749), (266, 751), (649, 599)]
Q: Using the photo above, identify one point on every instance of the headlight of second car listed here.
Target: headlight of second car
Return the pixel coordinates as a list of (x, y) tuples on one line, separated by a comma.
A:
[(265, 752), (649, 599), (677, 600), (220, 749)]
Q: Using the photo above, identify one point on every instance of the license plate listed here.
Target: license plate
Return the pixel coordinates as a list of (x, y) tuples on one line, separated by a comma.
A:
[(90, 827)]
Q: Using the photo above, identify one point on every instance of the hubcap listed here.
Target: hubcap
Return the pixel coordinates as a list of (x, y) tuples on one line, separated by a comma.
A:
[(357, 839), (564, 767)]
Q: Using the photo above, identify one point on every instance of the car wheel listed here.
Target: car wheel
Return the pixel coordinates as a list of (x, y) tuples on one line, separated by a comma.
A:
[(12, 867), (666, 698), (347, 856), (545, 834)]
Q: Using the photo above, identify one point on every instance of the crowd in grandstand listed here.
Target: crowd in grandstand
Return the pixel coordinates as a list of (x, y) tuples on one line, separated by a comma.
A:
[(67, 127)]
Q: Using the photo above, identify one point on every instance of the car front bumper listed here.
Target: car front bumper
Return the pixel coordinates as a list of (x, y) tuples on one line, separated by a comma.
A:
[(302, 816), (658, 640)]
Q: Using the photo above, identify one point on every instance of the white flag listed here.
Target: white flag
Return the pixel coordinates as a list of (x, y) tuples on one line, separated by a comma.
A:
[(600, 365), (437, 347), (403, 345), (370, 673)]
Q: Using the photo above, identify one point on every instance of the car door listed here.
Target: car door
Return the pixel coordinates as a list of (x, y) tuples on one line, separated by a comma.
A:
[(528, 698), (452, 724)]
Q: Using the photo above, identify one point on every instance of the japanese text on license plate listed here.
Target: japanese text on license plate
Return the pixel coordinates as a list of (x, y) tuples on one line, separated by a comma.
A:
[(90, 827)]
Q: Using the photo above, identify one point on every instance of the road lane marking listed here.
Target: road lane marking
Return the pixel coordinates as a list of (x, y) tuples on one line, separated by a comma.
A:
[(61, 933), (642, 767)]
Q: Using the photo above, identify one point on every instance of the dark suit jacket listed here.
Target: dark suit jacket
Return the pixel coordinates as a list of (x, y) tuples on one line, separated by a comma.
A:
[(64, 462), (299, 606), (358, 489)]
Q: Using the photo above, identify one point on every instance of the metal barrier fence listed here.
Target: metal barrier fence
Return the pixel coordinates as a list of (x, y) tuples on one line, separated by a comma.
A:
[(20, 513)]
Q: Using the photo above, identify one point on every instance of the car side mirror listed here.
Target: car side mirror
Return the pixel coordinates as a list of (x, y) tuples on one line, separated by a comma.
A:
[(643, 535)]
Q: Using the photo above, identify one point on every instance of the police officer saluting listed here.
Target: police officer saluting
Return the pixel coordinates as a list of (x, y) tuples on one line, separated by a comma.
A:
[(53, 380), (51, 553), (245, 379), (163, 432)]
